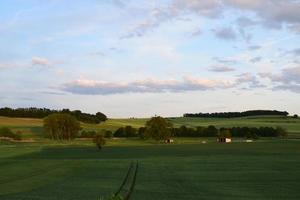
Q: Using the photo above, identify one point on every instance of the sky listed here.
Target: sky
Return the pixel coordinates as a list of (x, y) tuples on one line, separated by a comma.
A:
[(140, 58)]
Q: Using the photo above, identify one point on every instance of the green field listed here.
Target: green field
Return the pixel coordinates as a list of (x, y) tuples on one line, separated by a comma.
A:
[(260, 170), (188, 169)]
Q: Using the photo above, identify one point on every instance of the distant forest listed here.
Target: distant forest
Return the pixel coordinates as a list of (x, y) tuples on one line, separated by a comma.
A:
[(237, 114), (44, 112)]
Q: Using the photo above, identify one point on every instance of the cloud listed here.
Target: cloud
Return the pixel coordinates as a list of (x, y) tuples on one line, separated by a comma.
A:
[(287, 79), (221, 69), (188, 83), (40, 61), (225, 61), (250, 79), (225, 33), (269, 13), (92, 87), (295, 52), (254, 47), (290, 87), (255, 59), (287, 75), (2, 66), (196, 32)]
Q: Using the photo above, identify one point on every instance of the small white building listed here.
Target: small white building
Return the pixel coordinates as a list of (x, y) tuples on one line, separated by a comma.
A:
[(224, 140), (168, 141)]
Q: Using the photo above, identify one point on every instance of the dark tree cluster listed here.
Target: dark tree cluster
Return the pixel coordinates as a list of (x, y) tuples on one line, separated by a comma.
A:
[(92, 134), (257, 132), (127, 131), (183, 131), (237, 114), (212, 131), (44, 112)]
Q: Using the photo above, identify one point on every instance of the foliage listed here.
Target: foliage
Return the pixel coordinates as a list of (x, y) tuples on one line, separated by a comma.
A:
[(61, 126), (212, 131), (108, 134), (224, 133), (127, 131), (237, 114), (6, 132), (183, 131), (99, 140), (44, 112), (87, 134), (158, 128), (142, 132)]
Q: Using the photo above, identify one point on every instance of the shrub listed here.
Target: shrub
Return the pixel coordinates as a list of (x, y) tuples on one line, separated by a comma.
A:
[(99, 140), (6, 132), (87, 134), (108, 134)]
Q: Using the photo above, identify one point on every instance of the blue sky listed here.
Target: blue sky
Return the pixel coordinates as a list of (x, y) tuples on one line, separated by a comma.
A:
[(144, 58)]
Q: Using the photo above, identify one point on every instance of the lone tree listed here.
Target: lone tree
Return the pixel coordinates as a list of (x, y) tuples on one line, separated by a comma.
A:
[(158, 128), (61, 126), (99, 140)]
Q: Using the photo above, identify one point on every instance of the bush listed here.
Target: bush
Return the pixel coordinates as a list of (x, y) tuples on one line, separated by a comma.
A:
[(6, 132), (87, 134), (108, 134), (99, 140)]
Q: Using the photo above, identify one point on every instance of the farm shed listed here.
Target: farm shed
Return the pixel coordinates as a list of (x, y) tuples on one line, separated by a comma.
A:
[(169, 141), (224, 140)]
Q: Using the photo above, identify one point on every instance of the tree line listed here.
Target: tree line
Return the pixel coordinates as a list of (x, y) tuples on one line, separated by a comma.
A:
[(61, 126), (237, 114), (210, 131), (44, 112)]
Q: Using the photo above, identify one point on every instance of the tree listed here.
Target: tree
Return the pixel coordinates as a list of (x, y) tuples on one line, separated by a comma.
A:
[(99, 140), (295, 116), (108, 134), (61, 126), (158, 128), (210, 131), (141, 132), (127, 131), (281, 132), (224, 133)]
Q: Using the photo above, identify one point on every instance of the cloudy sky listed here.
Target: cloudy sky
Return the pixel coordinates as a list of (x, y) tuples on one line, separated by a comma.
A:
[(141, 58)]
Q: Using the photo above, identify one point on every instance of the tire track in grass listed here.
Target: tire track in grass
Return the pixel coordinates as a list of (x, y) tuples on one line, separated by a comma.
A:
[(129, 181)]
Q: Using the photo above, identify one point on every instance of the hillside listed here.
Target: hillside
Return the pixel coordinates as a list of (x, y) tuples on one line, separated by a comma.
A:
[(33, 127)]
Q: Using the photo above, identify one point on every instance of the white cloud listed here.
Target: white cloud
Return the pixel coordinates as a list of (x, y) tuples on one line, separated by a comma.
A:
[(40, 61), (92, 87), (221, 69)]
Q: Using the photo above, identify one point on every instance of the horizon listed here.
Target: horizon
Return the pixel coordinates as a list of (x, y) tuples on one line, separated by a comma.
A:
[(148, 58)]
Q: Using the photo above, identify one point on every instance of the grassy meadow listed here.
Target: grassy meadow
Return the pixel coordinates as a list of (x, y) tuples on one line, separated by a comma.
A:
[(188, 169)]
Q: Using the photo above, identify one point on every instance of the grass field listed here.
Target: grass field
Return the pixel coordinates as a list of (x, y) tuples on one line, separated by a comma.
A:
[(261, 170), (48, 170)]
